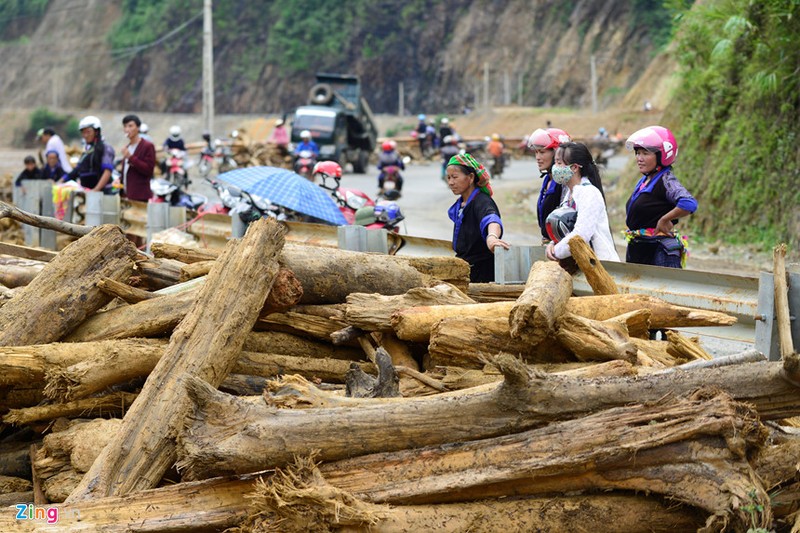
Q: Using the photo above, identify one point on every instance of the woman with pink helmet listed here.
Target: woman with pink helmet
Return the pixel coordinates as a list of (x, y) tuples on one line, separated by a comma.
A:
[(657, 201)]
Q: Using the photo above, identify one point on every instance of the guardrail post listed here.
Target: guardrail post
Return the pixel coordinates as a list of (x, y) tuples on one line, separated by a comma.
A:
[(360, 239), (766, 328), (101, 208), (238, 228), (513, 265), (38, 200)]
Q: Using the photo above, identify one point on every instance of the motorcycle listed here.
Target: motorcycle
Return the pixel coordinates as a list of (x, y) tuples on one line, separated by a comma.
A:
[(359, 209), (176, 167), (497, 166), (165, 191), (218, 154), (304, 164), (392, 183), (235, 201)]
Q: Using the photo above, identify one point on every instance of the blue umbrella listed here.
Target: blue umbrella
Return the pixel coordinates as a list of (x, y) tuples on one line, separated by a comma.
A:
[(285, 188)]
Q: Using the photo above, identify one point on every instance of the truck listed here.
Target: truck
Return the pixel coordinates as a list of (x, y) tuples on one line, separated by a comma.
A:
[(339, 119)]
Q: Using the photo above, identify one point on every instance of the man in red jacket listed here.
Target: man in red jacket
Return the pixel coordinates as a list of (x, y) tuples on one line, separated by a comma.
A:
[(138, 161)]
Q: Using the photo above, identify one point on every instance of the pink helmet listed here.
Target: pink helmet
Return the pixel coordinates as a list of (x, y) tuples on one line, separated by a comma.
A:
[(547, 139), (655, 139)]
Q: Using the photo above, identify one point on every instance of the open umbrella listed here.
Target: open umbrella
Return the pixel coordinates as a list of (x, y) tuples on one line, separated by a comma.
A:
[(285, 188)]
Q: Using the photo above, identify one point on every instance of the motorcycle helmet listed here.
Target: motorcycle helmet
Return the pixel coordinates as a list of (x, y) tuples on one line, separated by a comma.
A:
[(90, 121), (548, 139), (175, 132), (279, 122), (445, 121), (421, 117), (328, 169), (144, 128), (387, 146), (388, 212), (206, 136), (495, 136), (305, 134), (656, 139), (560, 222), (365, 216)]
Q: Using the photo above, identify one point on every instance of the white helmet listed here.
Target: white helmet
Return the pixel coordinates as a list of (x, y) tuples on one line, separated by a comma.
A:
[(305, 134), (89, 122), (144, 128), (445, 121), (175, 132), (279, 122)]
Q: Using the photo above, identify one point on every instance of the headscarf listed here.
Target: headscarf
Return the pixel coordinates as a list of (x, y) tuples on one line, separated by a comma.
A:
[(481, 171)]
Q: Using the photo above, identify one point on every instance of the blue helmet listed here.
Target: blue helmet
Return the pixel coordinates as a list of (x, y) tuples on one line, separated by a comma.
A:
[(421, 117), (388, 212)]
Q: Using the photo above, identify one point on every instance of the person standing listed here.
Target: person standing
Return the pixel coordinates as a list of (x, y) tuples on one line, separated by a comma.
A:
[(280, 137), (94, 168), (544, 144), (478, 227), (572, 169), (52, 168), (138, 161), (657, 201), (54, 143)]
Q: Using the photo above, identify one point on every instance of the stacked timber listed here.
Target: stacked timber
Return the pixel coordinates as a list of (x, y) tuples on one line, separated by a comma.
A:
[(278, 387)]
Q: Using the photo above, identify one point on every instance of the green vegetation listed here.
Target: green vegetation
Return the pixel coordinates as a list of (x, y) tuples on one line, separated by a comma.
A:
[(18, 14), (737, 111), (65, 125)]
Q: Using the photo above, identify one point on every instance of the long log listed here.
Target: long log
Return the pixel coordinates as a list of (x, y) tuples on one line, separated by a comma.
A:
[(415, 323), (288, 344), (13, 276), (534, 314), (206, 345), (471, 342), (598, 278), (65, 292), (372, 312), (115, 403), (211, 444), (593, 340), (124, 291)]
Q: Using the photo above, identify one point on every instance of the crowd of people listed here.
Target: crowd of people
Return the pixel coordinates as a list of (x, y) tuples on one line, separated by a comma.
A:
[(571, 203)]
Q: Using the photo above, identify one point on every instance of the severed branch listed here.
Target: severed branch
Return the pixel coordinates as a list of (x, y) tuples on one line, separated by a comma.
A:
[(10, 211), (124, 291)]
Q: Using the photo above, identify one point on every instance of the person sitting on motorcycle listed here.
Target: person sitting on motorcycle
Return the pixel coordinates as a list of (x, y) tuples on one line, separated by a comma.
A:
[(388, 158), (280, 137), (496, 150), (445, 129), (448, 150), (96, 164), (173, 142), (306, 144)]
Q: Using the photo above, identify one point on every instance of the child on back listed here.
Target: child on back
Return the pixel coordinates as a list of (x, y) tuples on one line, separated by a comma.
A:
[(31, 172)]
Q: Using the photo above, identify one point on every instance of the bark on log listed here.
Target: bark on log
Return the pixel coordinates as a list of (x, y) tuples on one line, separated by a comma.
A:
[(415, 323), (115, 403), (471, 342), (65, 292), (533, 316), (210, 444), (599, 280), (592, 340), (372, 312), (206, 345)]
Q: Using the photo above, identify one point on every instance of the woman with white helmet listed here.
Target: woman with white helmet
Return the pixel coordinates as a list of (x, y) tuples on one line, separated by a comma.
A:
[(657, 201), (174, 141), (94, 168)]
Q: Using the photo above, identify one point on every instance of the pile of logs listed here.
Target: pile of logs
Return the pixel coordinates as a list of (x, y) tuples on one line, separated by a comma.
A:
[(271, 386), (249, 153)]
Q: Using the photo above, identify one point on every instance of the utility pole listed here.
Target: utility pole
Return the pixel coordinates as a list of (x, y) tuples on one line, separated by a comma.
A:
[(593, 65), (486, 85), (506, 88), (208, 69), (519, 88), (401, 97)]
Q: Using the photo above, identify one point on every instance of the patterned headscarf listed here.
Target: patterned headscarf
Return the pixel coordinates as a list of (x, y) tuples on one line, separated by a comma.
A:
[(480, 170)]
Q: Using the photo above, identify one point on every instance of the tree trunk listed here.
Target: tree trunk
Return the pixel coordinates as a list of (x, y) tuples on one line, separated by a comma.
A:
[(533, 316), (210, 444), (592, 340), (599, 280), (471, 342), (415, 323), (372, 312), (65, 292), (206, 345)]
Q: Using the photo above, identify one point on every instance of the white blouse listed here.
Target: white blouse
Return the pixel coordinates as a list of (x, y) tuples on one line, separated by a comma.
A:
[(591, 224)]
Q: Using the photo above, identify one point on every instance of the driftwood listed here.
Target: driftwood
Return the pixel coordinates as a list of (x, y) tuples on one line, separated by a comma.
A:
[(9, 211), (470, 343), (533, 316), (599, 280), (12, 276), (415, 323), (680, 346), (124, 291), (211, 445), (362, 385), (205, 344), (637, 322), (288, 344), (115, 403), (782, 318), (372, 312), (593, 340), (65, 292), (153, 274)]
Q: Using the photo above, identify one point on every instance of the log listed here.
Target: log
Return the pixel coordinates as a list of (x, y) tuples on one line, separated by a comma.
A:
[(13, 276), (415, 323), (206, 345), (598, 278), (533, 316), (782, 319), (153, 274), (124, 291), (65, 292), (471, 342), (15, 460), (681, 347), (637, 322), (115, 403), (398, 350), (14, 484), (195, 270), (693, 450), (183, 254), (359, 384), (449, 269), (297, 322), (593, 340), (372, 312), (287, 344), (26, 252), (494, 292), (210, 444)]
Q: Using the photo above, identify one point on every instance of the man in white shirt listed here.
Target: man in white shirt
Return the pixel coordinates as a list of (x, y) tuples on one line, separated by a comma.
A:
[(52, 142)]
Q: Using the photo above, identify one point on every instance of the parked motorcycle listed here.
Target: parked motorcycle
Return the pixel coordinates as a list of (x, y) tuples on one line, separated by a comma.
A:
[(216, 153), (165, 191), (234, 201), (304, 164), (385, 214), (176, 166)]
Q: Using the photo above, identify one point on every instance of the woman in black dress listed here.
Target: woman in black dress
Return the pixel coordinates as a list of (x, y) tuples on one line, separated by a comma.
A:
[(478, 226)]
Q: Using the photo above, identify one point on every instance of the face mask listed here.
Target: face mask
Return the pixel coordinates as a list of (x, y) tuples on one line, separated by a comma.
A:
[(561, 174)]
